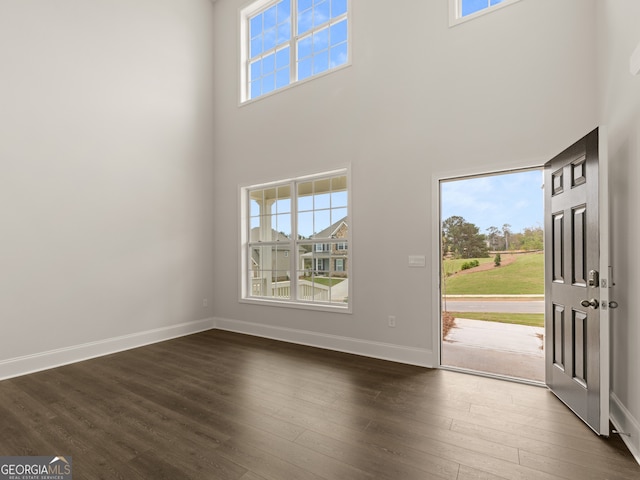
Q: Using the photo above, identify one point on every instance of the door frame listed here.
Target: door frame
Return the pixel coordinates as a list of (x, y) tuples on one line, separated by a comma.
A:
[(436, 253), (604, 262)]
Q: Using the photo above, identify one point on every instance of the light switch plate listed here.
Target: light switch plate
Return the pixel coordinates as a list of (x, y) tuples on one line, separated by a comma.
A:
[(417, 261)]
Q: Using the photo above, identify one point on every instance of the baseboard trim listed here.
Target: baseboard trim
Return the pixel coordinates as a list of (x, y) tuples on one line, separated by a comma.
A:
[(383, 351), (624, 422), (15, 367)]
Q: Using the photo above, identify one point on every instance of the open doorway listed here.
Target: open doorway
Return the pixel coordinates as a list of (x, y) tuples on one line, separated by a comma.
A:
[(492, 274)]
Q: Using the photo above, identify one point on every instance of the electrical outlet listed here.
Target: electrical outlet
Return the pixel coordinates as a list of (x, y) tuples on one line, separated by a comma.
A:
[(392, 321), (205, 302)]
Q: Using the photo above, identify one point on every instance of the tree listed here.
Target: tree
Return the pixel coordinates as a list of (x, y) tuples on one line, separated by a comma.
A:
[(506, 232), (494, 237), (462, 239), (530, 239)]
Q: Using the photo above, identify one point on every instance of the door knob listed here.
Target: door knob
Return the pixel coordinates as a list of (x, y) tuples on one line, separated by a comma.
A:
[(593, 303)]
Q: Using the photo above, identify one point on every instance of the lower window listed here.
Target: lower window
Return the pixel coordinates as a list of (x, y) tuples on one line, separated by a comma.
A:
[(295, 237)]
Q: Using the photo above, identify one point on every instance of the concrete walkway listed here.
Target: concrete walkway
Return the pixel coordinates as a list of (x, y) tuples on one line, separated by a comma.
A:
[(499, 348)]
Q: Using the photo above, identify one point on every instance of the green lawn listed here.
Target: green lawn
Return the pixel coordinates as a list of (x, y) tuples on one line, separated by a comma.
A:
[(524, 276), (327, 282), (531, 319)]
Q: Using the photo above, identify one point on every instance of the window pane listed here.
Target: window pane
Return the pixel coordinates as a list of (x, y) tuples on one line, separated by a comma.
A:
[(338, 214), (321, 40), (321, 62), (255, 26), (304, 47), (338, 55), (304, 68), (256, 47), (268, 83), (304, 4), (494, 2), (268, 64), (269, 274), (305, 199), (305, 21), (305, 225), (283, 205), (283, 77), (473, 6), (284, 11), (283, 226), (270, 38), (322, 201), (322, 221), (284, 32), (256, 88), (256, 70), (270, 18), (321, 13), (338, 7), (282, 58), (254, 207), (339, 199), (320, 187), (339, 32)]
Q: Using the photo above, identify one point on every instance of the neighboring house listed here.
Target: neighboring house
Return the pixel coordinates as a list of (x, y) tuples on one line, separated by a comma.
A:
[(329, 258), (280, 264)]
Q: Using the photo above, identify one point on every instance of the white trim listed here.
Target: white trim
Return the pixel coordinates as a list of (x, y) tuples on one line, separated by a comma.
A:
[(384, 351), (455, 11), (605, 264), (436, 259), (436, 254), (244, 293), (624, 422), (37, 362)]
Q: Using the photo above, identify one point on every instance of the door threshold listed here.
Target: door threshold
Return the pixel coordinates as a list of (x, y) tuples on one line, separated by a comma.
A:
[(496, 376)]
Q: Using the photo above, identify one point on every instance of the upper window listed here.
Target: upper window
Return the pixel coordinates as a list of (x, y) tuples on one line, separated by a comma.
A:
[(462, 10), (307, 217), (285, 41)]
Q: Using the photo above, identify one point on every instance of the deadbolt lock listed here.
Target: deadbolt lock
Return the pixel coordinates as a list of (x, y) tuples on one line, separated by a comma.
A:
[(593, 278)]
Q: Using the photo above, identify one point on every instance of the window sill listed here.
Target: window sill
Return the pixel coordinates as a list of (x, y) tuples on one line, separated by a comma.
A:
[(453, 20), (317, 76), (298, 305)]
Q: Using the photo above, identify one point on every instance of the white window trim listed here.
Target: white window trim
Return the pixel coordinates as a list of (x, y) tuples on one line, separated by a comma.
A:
[(455, 11), (243, 88), (244, 290)]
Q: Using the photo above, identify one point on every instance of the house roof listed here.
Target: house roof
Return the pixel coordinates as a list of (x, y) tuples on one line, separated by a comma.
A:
[(332, 230)]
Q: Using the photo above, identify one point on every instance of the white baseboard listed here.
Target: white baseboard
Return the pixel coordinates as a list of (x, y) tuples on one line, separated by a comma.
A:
[(384, 351), (15, 367), (625, 423)]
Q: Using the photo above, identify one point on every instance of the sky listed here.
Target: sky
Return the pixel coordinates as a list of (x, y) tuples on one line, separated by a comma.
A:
[(513, 198)]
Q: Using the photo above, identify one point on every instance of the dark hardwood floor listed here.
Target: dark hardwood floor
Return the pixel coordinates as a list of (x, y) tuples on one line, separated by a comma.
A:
[(219, 405)]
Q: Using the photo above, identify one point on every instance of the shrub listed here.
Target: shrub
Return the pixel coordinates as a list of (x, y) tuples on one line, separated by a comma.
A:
[(497, 260), (470, 264)]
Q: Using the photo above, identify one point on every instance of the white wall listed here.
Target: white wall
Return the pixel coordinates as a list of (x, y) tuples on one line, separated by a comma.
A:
[(105, 172), (421, 100), (619, 104)]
